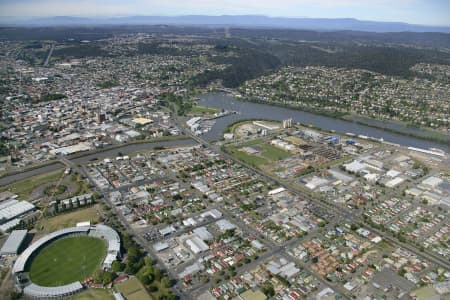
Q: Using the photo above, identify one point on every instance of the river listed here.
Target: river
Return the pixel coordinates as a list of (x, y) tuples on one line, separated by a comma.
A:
[(100, 154), (250, 110)]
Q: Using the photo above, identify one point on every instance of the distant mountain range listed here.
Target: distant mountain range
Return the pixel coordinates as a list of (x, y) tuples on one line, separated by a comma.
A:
[(230, 20)]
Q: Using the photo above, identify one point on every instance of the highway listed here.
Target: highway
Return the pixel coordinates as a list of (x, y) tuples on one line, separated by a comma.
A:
[(47, 60)]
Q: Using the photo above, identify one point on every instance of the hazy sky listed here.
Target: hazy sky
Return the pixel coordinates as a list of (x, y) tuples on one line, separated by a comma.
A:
[(429, 12)]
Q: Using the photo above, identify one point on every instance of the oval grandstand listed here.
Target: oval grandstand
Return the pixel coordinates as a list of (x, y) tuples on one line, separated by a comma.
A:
[(36, 291)]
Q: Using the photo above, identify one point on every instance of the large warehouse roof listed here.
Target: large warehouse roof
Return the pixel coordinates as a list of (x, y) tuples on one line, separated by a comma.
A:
[(12, 244), (13, 208)]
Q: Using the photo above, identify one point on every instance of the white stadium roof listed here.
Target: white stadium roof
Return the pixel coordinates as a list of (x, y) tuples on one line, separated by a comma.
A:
[(37, 291), (21, 261), (99, 231)]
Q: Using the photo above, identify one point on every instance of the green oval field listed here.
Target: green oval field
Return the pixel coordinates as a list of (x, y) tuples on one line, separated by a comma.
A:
[(67, 260)]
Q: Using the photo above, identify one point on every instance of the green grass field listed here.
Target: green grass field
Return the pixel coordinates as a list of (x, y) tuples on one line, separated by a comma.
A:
[(268, 154), (47, 225), (198, 109), (94, 294), (132, 289), (252, 160), (67, 260), (273, 153), (24, 188)]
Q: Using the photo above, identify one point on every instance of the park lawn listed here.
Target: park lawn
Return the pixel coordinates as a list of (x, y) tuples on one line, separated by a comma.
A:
[(386, 246), (336, 162), (252, 160), (133, 289), (68, 219), (67, 260), (199, 109), (273, 153), (252, 143), (139, 295), (94, 294), (24, 187), (82, 188)]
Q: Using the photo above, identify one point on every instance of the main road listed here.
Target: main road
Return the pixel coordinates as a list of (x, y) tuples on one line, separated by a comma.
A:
[(136, 236), (353, 217), (87, 156), (75, 163)]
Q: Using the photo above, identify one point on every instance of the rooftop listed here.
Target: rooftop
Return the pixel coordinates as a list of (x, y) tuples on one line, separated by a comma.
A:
[(13, 242)]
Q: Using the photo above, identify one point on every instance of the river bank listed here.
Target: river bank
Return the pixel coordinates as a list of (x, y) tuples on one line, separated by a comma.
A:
[(253, 110), (403, 129)]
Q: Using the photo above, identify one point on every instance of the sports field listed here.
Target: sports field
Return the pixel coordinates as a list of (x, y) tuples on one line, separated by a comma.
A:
[(94, 294), (67, 260), (133, 289)]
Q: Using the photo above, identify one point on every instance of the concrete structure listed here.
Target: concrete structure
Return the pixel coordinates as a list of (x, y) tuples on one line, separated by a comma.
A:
[(276, 191), (203, 233), (267, 125), (13, 243), (35, 291), (80, 147), (118, 296), (196, 244), (225, 225), (10, 212), (141, 121), (14, 208), (287, 123)]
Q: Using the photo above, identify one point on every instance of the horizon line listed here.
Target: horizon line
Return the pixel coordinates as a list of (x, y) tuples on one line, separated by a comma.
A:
[(114, 16)]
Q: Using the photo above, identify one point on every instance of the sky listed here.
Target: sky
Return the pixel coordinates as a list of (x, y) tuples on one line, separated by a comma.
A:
[(425, 12)]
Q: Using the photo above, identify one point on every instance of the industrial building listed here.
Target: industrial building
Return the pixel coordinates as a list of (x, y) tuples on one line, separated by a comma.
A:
[(196, 244), (11, 211), (14, 242)]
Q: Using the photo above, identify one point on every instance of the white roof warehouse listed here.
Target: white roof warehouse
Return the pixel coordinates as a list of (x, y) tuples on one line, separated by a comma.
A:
[(13, 243), (11, 209)]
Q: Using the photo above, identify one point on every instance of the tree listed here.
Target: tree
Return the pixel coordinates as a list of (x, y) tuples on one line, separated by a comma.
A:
[(354, 226), (268, 289), (117, 266), (165, 282), (98, 276), (107, 277)]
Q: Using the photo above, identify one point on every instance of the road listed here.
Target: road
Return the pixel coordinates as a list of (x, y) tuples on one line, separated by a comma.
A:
[(353, 217), (273, 251), (87, 156), (339, 212), (136, 236), (350, 216), (47, 60)]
